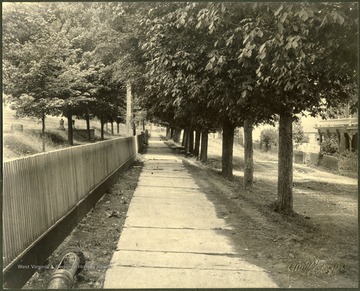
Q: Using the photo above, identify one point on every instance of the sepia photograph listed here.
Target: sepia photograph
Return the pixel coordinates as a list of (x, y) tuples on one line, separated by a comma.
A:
[(162, 145)]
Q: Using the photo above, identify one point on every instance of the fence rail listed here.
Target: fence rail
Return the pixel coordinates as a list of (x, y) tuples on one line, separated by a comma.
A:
[(338, 122), (39, 190)]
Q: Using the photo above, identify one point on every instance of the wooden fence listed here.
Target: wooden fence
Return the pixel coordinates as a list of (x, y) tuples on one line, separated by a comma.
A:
[(39, 190)]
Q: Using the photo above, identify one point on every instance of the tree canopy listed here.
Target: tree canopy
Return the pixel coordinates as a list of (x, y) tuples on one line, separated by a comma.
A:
[(259, 61), (57, 54), (194, 65)]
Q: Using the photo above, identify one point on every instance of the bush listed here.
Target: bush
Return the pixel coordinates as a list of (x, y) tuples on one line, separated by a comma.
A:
[(56, 138), (269, 136), (52, 138), (20, 144), (29, 142), (348, 161), (330, 145), (349, 154)]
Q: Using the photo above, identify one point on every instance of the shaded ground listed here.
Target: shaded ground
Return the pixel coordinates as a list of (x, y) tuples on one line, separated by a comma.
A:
[(96, 235), (315, 249)]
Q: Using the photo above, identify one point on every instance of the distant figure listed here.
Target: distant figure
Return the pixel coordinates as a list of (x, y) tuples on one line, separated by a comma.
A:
[(62, 124)]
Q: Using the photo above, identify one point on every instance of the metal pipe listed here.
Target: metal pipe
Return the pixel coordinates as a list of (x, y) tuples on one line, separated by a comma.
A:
[(70, 265)]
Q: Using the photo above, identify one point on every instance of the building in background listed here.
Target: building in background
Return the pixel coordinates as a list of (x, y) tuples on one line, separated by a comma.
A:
[(346, 130)]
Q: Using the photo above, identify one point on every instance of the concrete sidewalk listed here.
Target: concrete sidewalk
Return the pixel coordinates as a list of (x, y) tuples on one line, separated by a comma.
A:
[(172, 236)]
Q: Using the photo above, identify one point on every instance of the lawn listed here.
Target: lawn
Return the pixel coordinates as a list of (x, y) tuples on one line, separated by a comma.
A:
[(28, 142)]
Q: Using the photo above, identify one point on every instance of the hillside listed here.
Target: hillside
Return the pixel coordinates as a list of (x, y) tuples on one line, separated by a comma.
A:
[(28, 142)]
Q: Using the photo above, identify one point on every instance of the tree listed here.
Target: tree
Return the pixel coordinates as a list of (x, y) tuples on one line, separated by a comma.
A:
[(299, 136), (174, 82), (34, 54), (286, 52), (269, 137), (248, 155), (245, 63), (28, 106), (88, 87), (306, 62), (118, 48), (187, 64), (229, 61), (76, 92), (295, 51), (61, 62)]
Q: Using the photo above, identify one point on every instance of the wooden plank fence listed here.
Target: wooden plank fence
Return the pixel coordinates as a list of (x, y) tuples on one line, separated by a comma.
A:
[(39, 190)]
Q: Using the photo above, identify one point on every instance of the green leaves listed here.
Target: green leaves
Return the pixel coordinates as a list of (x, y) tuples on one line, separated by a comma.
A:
[(230, 40), (278, 11), (304, 14), (280, 27), (283, 17), (262, 51), (183, 57), (300, 42), (60, 61)]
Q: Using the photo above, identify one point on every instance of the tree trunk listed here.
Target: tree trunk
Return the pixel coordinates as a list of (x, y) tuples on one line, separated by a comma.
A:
[(285, 166), (87, 117), (187, 141), (191, 141), (204, 145), (134, 129), (167, 132), (197, 143), (143, 124), (185, 135), (112, 128), (117, 127), (70, 129), (43, 130), (177, 134), (227, 149), (172, 133), (128, 109), (102, 123), (248, 155)]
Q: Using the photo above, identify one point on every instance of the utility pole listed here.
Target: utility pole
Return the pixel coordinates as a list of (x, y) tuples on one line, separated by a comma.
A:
[(128, 110)]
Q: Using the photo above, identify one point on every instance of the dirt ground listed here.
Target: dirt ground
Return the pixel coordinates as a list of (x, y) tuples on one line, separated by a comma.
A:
[(96, 235), (317, 248)]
